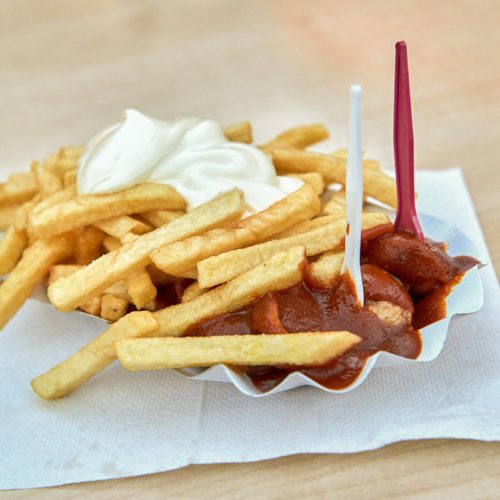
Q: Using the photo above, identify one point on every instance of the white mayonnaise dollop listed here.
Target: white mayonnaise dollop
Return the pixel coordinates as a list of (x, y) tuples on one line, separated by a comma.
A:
[(190, 154)]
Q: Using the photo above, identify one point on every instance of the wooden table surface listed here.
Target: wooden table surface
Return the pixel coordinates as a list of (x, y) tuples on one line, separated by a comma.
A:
[(67, 69)]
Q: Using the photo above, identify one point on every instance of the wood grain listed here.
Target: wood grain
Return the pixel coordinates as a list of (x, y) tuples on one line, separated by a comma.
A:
[(70, 68)]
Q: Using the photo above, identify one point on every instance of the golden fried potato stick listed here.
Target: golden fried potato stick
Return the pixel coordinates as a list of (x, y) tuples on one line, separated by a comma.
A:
[(376, 184), (239, 132), (367, 163), (281, 271), (47, 181), (111, 243), (7, 213), (307, 225), (88, 244), (159, 218), (299, 137), (89, 209), (324, 272), (93, 306), (59, 271), (371, 164), (120, 290), (15, 239), (69, 177), (182, 256), (223, 267), (120, 226), (50, 161), (158, 277), (69, 293), (12, 245), (21, 217), (192, 291), (141, 288), (71, 151), (20, 187), (341, 153), (33, 266), (92, 358), (335, 205), (113, 308), (313, 178), (66, 194), (61, 165), (297, 349)]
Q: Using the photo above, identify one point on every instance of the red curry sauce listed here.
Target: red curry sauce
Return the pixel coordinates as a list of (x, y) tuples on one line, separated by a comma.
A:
[(411, 278)]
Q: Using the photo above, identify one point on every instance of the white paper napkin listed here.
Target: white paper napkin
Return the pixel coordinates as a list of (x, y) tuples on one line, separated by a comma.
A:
[(125, 424)]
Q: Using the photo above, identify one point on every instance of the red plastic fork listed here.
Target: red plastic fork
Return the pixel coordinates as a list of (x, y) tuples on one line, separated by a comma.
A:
[(406, 217)]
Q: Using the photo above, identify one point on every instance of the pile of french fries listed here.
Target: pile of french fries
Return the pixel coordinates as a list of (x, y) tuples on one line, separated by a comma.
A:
[(107, 255)]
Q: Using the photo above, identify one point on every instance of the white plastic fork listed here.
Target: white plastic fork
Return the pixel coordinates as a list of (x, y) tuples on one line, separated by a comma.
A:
[(354, 195)]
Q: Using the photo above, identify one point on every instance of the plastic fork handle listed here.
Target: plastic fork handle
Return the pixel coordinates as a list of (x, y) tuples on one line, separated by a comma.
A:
[(406, 217)]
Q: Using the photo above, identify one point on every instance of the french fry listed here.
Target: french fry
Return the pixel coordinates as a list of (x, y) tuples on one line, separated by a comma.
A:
[(192, 274), (221, 268), (159, 218), (192, 291), (367, 163), (93, 306), (62, 196), (12, 245), (324, 272), (341, 153), (69, 293), (69, 177), (68, 375), (71, 151), (281, 271), (110, 243), (333, 169), (7, 214), (59, 271), (299, 137), (47, 181), (313, 178), (128, 238), (50, 161), (89, 209), (21, 217), (120, 290), (158, 277), (88, 244), (15, 239), (33, 266), (297, 349), (20, 187), (140, 288), (307, 225), (239, 132), (182, 256), (120, 226), (335, 205), (371, 164), (113, 308), (60, 166)]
